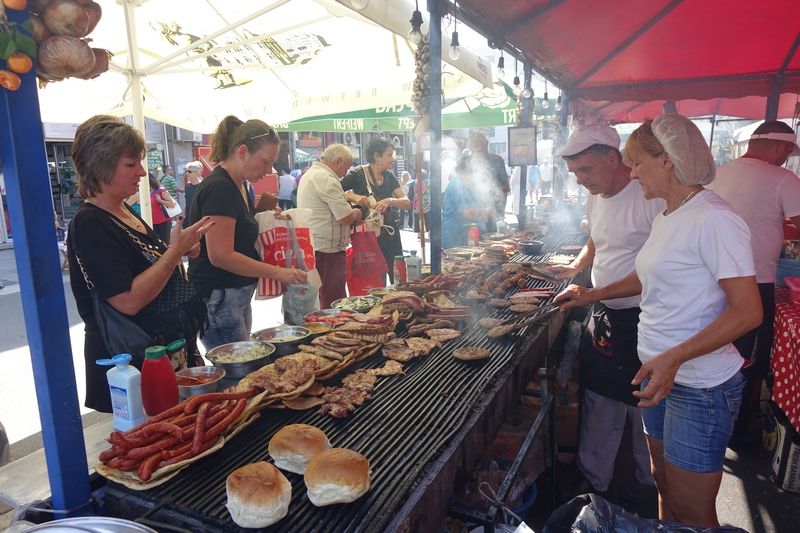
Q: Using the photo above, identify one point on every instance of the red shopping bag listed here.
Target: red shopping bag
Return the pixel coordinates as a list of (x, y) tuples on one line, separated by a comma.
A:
[(366, 267)]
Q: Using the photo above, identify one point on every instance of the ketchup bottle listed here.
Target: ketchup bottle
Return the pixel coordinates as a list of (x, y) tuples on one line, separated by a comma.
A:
[(159, 384)]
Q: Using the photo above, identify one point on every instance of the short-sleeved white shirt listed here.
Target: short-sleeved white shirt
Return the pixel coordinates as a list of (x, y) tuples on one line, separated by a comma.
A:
[(763, 195), (321, 192), (679, 266), (619, 227)]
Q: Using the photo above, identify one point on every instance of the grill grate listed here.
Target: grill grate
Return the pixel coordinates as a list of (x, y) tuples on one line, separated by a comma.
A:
[(406, 425)]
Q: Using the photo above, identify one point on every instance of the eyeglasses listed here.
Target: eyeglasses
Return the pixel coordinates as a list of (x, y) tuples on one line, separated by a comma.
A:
[(269, 133)]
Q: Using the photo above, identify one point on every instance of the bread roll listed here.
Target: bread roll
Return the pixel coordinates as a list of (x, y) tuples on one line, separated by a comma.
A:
[(258, 495), (294, 445), (337, 475)]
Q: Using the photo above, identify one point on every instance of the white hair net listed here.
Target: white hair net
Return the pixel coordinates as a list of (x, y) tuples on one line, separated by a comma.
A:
[(687, 149)]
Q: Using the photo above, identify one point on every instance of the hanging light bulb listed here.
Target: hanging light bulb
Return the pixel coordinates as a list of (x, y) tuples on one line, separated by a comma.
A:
[(558, 106), (455, 49), (359, 4), (517, 89), (527, 93), (501, 66), (415, 35), (546, 101)]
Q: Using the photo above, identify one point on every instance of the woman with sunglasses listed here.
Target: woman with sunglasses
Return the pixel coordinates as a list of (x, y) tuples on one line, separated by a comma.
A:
[(228, 267)]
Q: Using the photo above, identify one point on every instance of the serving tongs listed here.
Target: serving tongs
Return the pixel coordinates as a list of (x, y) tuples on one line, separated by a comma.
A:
[(516, 323)]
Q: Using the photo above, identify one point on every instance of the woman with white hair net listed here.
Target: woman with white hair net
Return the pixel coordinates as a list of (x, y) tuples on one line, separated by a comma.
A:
[(697, 280)]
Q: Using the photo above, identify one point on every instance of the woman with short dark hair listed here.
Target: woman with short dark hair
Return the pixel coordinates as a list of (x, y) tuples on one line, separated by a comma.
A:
[(228, 267), (113, 253), (375, 180)]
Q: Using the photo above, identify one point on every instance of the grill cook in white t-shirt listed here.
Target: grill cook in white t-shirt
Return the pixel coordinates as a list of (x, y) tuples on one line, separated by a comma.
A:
[(679, 267), (619, 226), (763, 195)]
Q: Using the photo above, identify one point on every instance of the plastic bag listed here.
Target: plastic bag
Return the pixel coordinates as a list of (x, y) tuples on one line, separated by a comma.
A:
[(366, 267), (590, 512), (274, 245)]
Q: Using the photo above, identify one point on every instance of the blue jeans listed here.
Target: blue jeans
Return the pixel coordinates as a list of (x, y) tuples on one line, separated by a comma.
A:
[(230, 316), (695, 424)]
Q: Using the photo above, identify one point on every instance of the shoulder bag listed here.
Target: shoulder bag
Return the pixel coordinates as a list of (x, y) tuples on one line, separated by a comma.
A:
[(177, 312)]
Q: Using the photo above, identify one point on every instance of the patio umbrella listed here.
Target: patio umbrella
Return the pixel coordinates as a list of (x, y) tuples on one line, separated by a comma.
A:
[(190, 63)]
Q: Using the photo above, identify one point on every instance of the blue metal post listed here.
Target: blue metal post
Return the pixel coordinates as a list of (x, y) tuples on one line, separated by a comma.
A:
[(30, 207), (435, 113)]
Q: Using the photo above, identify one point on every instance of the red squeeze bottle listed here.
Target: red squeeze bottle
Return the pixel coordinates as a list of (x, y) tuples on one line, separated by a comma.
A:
[(159, 384)]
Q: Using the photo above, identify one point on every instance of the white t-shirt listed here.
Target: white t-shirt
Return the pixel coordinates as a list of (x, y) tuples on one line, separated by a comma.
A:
[(680, 265), (619, 227), (763, 195), (286, 186), (321, 192)]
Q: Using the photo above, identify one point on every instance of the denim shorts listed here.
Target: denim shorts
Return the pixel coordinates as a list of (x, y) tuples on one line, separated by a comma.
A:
[(695, 424), (229, 316)]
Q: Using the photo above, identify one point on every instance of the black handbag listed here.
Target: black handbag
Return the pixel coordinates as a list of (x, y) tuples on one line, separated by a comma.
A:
[(177, 312)]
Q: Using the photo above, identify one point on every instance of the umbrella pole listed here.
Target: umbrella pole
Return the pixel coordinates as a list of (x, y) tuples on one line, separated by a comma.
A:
[(418, 190)]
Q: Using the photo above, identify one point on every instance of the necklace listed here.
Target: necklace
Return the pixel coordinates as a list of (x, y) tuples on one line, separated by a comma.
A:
[(688, 197)]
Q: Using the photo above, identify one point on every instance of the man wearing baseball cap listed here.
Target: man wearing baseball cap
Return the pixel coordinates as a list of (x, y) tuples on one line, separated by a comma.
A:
[(764, 194), (619, 219)]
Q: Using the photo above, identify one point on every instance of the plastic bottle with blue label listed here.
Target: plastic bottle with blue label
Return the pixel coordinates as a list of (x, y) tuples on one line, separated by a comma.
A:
[(125, 385)]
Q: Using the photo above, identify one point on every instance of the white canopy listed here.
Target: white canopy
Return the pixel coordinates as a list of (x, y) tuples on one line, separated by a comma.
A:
[(278, 60)]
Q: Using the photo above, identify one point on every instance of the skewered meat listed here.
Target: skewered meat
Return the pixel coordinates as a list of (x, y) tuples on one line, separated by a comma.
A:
[(389, 368), (443, 335), (499, 303), (360, 380), (471, 353)]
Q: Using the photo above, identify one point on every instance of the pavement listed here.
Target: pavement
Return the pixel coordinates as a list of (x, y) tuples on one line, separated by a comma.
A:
[(748, 498)]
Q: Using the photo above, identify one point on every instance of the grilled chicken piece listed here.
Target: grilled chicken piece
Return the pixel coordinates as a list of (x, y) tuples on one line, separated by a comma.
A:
[(360, 380), (321, 351), (336, 410), (422, 346), (389, 368), (398, 352), (443, 335)]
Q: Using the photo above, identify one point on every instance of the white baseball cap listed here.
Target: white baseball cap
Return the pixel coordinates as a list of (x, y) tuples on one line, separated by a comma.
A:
[(587, 136), (777, 136)]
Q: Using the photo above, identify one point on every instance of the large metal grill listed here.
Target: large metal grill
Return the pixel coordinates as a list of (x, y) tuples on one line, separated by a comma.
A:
[(412, 429)]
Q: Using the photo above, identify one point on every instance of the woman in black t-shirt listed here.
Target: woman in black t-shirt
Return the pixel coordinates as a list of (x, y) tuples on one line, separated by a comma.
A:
[(377, 181), (228, 267), (126, 263)]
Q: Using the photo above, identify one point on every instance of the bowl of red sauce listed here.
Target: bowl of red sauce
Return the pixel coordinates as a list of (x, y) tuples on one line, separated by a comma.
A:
[(199, 380)]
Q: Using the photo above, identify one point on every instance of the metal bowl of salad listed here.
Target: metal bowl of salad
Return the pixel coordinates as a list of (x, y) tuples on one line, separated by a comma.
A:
[(358, 304), (285, 338), (240, 358)]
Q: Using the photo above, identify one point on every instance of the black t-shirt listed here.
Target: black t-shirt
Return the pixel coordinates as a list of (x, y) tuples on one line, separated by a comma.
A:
[(356, 180), (111, 259), (218, 195)]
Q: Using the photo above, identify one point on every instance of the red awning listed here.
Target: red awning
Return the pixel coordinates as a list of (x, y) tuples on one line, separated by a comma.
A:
[(625, 58)]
